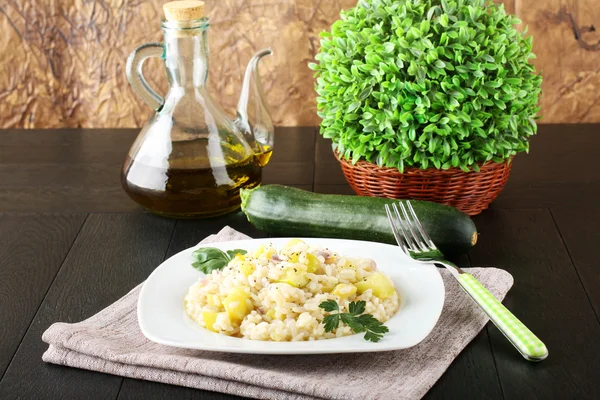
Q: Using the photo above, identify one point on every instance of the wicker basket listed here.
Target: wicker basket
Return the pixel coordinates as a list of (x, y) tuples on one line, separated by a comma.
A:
[(469, 192)]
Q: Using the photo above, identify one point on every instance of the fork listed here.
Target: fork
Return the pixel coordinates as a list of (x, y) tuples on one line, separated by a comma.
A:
[(416, 243)]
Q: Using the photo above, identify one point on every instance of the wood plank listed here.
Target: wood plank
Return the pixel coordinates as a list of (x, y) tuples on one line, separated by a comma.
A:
[(334, 189), (578, 228), (327, 168), (26, 175), (189, 232), (79, 170), (472, 375), (142, 390), (546, 178), (112, 254), (549, 298), (66, 146), (83, 198), (110, 146), (292, 162), (67, 199), (68, 169), (32, 250)]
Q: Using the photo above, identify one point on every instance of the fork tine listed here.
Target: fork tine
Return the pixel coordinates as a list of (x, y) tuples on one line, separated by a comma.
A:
[(407, 236), (395, 230), (418, 240), (420, 227)]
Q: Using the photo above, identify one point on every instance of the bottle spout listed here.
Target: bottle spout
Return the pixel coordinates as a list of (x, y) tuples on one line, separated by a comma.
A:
[(253, 118)]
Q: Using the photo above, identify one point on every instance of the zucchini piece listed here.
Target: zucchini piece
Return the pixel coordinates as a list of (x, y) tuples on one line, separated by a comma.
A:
[(287, 211)]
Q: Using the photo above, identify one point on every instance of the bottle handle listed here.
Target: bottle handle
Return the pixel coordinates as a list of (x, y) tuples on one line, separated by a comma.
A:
[(135, 75)]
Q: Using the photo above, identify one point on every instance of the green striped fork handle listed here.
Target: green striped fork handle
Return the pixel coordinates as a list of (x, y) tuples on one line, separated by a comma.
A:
[(519, 335)]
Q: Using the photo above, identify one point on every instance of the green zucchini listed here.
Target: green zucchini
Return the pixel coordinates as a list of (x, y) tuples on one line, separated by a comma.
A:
[(286, 211)]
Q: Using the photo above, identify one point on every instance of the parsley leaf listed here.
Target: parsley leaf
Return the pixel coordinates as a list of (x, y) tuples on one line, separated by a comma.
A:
[(357, 307), (373, 337), (331, 322), (367, 320), (355, 319), (379, 328), (375, 329), (209, 265), (330, 305), (207, 259), (353, 323)]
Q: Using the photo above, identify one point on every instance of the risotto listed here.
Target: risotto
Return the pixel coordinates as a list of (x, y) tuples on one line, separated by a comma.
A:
[(275, 295)]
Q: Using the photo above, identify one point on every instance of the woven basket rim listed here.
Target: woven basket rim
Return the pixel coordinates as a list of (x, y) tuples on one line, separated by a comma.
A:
[(414, 170)]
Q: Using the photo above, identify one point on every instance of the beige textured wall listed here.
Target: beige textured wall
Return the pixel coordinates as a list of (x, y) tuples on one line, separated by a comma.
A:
[(62, 61)]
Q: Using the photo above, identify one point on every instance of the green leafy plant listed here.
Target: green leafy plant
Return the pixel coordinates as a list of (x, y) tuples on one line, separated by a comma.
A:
[(354, 318), (208, 259), (427, 83)]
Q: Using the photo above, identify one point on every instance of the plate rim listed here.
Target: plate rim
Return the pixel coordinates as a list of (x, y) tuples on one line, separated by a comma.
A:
[(282, 348)]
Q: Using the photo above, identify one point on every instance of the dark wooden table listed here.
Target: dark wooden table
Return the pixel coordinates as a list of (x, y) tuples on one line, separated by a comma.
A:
[(71, 243)]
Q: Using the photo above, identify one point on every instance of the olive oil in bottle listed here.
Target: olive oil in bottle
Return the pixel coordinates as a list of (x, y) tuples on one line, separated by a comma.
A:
[(190, 187), (264, 157)]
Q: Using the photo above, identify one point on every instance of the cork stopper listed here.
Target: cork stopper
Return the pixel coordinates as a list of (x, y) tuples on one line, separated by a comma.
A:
[(184, 10)]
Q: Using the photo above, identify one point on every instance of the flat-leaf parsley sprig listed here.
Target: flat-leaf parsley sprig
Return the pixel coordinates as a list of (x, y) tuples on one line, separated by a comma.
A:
[(355, 319), (209, 259)]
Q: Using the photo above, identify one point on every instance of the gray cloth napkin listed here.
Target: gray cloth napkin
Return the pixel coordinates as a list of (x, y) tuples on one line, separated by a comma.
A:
[(111, 342)]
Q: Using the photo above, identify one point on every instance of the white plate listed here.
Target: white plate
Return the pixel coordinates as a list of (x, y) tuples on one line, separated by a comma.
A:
[(163, 320)]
